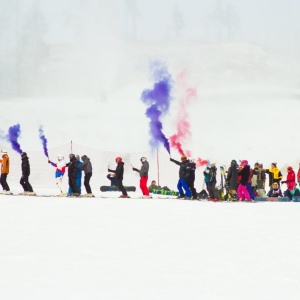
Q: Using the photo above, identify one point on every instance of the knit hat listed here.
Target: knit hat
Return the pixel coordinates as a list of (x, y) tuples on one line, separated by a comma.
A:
[(274, 164), (289, 168), (3, 151), (244, 162)]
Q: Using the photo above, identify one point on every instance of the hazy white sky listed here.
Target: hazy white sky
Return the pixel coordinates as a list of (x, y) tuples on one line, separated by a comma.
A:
[(273, 24)]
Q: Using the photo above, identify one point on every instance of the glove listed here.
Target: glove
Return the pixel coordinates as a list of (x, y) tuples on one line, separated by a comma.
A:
[(49, 161)]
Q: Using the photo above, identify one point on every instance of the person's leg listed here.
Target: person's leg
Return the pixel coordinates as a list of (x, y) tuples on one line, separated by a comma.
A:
[(185, 186), (121, 187), (23, 184), (87, 178), (180, 190), (143, 185)]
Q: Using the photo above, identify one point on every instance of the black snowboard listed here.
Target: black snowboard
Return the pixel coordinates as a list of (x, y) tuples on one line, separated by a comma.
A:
[(108, 188)]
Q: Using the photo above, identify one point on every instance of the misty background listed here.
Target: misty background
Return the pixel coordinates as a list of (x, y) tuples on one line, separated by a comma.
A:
[(93, 47)]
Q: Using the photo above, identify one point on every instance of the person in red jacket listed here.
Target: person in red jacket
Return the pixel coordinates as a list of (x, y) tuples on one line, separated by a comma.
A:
[(290, 178)]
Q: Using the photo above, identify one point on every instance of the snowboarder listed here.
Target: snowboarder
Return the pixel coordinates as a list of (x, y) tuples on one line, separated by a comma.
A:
[(24, 181), (4, 172), (119, 171), (86, 166), (184, 175), (59, 172), (143, 176)]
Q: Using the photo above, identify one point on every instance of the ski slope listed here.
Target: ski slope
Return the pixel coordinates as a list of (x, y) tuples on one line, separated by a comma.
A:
[(111, 248)]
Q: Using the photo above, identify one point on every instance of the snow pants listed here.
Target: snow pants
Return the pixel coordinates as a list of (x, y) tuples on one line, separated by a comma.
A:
[(3, 182), (183, 185), (243, 192), (86, 182), (143, 185)]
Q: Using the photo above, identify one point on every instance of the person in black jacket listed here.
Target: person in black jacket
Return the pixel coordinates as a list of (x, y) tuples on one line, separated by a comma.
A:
[(119, 171), (192, 178), (24, 181), (72, 171), (232, 179), (184, 176)]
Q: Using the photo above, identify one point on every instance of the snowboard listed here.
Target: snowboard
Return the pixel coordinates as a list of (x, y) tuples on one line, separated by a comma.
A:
[(112, 188), (273, 199)]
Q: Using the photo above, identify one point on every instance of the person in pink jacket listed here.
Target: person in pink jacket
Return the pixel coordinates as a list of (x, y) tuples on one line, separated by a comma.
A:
[(290, 178)]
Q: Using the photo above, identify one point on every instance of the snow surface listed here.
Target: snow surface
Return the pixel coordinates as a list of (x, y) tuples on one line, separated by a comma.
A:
[(111, 248)]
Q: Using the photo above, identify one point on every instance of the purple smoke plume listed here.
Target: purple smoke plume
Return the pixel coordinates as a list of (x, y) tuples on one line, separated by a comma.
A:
[(44, 141), (158, 101), (13, 135)]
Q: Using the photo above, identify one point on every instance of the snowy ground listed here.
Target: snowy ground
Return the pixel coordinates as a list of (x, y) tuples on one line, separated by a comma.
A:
[(110, 248)]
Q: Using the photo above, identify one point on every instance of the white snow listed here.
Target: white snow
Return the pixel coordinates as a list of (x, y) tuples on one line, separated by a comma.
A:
[(66, 248)]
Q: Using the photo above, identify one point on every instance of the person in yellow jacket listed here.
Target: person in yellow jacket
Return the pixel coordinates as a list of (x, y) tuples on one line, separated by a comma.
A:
[(4, 171), (274, 175)]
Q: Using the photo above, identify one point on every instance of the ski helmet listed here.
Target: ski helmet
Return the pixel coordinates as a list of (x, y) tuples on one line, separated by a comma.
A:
[(143, 159), (118, 159)]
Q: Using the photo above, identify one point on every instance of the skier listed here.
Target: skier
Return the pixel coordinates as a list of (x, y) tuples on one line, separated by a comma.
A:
[(192, 178), (119, 171), (86, 166), (274, 174), (24, 181), (4, 172), (184, 175), (275, 191), (59, 173), (143, 176), (244, 172), (72, 171)]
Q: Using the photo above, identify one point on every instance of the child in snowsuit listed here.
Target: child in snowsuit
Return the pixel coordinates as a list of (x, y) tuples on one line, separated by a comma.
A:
[(143, 176), (59, 172)]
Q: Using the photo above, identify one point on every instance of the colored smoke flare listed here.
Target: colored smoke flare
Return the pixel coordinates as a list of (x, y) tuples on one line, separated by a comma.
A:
[(44, 141), (13, 135), (158, 101)]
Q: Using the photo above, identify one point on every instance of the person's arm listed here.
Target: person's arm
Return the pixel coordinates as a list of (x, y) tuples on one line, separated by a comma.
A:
[(112, 171), (175, 161), (135, 169)]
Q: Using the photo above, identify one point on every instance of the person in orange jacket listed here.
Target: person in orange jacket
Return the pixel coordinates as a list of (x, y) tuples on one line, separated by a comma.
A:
[(4, 171)]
